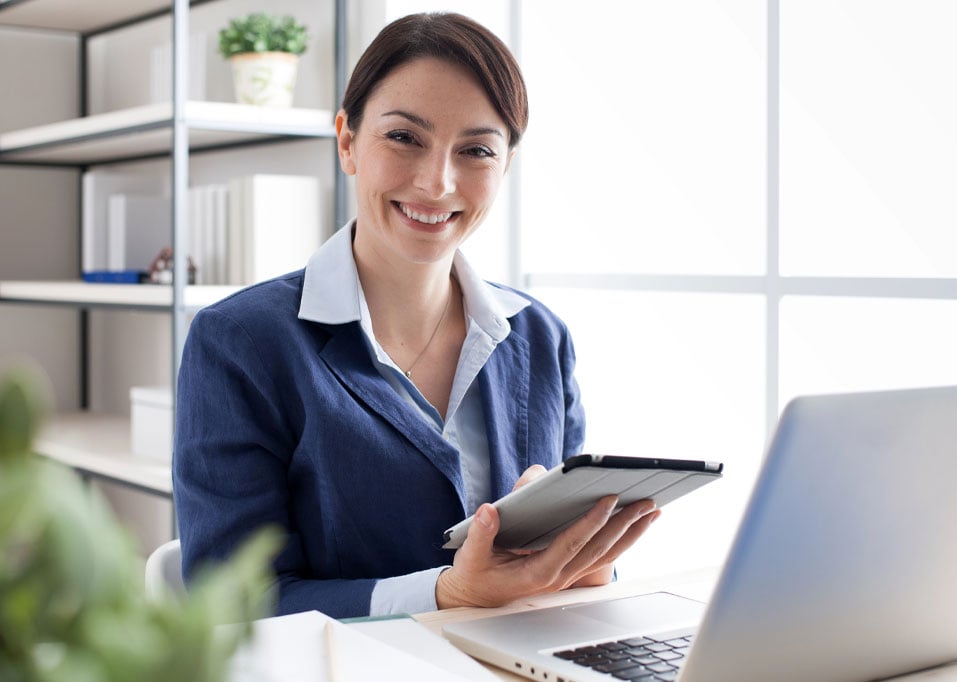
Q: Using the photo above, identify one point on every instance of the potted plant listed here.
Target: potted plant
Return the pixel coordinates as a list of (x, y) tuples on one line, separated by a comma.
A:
[(73, 603), (264, 51)]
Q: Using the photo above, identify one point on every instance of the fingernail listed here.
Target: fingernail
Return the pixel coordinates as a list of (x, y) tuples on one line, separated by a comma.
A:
[(483, 517), (610, 506)]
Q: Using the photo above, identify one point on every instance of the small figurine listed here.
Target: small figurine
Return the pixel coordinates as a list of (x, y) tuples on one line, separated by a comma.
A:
[(161, 269)]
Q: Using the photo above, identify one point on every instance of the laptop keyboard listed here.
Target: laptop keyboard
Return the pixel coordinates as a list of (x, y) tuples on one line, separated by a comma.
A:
[(637, 659)]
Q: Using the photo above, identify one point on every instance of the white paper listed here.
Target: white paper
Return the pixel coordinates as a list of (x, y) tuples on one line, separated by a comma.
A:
[(414, 638), (293, 649)]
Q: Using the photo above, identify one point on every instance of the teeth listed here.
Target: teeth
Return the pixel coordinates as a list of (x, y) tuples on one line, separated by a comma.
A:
[(425, 217)]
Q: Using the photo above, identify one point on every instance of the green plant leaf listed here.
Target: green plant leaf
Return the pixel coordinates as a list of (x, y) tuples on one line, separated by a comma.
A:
[(262, 32), (21, 409), (72, 599)]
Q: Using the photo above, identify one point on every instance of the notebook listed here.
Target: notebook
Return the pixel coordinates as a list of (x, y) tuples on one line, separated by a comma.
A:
[(844, 566)]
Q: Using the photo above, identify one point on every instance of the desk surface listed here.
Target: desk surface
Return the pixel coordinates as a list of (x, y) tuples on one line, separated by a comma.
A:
[(695, 584)]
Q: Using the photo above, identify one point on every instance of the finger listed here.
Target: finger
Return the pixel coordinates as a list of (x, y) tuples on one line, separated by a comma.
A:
[(529, 475), (624, 541), (600, 576), (481, 536), (458, 585), (598, 551), (550, 563)]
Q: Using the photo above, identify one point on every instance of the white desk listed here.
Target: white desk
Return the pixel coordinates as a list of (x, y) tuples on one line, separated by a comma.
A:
[(696, 584), (296, 649)]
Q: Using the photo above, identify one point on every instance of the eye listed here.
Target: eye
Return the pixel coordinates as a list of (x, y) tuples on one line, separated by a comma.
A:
[(400, 136), (480, 151)]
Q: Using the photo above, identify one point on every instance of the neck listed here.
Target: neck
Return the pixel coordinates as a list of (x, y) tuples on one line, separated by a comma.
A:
[(406, 300)]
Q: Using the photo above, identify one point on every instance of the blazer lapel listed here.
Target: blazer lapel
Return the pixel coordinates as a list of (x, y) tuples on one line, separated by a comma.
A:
[(504, 384), (347, 357)]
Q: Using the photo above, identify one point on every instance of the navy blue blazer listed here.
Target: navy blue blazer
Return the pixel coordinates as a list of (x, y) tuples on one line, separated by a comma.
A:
[(286, 421)]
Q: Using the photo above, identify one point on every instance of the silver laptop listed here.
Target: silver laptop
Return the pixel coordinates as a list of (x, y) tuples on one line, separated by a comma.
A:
[(844, 566)]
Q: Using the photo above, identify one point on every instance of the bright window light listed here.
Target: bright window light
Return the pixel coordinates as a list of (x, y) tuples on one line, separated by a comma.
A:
[(868, 141)]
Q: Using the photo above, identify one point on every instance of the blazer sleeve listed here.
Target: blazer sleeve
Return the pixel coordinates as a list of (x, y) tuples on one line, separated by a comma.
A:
[(574, 434), (231, 456)]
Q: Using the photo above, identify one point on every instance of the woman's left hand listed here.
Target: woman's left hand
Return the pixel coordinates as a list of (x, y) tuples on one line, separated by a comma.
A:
[(583, 554), (601, 576)]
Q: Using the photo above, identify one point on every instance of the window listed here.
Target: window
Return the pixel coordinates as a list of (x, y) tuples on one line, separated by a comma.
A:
[(730, 202)]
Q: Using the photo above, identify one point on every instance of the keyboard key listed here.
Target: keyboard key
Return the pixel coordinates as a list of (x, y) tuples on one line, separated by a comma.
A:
[(638, 651), (588, 650), (612, 646), (639, 672), (615, 665), (657, 646), (591, 661), (660, 667), (617, 655), (636, 659), (669, 655)]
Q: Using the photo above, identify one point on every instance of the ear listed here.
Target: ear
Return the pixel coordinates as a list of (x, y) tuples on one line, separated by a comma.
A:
[(344, 139)]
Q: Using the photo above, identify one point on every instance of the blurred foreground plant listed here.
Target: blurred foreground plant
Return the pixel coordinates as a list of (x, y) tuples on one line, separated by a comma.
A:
[(72, 598)]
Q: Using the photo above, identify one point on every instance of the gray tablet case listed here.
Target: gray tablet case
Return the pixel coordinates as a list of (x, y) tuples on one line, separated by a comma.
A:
[(535, 513)]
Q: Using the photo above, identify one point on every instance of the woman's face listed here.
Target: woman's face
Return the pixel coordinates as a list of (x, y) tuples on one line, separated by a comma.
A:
[(428, 160)]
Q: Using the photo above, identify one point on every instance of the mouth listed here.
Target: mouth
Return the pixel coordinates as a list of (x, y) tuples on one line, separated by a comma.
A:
[(425, 217)]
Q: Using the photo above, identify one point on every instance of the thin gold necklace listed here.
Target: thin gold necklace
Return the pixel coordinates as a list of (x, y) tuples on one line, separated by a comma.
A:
[(448, 302)]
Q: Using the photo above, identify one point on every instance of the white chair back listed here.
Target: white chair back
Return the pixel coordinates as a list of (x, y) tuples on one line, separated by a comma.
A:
[(164, 571)]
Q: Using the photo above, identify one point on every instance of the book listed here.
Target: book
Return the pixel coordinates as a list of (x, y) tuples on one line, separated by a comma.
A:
[(113, 276), (138, 228), (407, 634), (97, 187), (161, 70), (208, 224), (301, 647), (273, 225)]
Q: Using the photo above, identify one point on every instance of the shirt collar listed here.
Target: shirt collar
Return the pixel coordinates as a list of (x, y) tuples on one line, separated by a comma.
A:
[(330, 290), (331, 293)]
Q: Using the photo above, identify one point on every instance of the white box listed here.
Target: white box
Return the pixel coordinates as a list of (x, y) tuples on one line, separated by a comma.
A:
[(151, 417)]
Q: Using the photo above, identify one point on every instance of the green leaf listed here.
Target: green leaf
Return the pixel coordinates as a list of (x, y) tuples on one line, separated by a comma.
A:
[(262, 32), (21, 410)]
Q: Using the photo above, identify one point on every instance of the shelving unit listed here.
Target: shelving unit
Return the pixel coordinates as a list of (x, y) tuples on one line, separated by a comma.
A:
[(98, 445), (157, 297), (146, 132)]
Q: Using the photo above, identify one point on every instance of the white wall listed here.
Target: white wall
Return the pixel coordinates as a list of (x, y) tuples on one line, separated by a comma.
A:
[(39, 228)]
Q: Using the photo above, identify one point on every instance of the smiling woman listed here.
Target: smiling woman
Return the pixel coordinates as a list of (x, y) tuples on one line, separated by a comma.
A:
[(384, 393)]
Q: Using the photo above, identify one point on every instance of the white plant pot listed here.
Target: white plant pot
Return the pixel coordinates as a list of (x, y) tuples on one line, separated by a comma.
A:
[(266, 79)]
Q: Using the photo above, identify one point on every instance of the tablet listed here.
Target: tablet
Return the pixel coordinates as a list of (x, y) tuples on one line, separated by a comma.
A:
[(535, 513)]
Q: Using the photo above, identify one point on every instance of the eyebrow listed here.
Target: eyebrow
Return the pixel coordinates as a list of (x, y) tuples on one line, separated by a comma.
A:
[(430, 127)]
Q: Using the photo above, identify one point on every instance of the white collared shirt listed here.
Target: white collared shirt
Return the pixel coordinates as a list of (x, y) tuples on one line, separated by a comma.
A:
[(332, 294)]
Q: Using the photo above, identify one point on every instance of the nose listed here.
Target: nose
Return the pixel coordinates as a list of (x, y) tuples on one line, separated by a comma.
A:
[(436, 174)]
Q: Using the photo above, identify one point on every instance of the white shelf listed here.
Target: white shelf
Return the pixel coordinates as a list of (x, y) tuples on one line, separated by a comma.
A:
[(147, 131), (122, 295), (99, 445), (70, 15)]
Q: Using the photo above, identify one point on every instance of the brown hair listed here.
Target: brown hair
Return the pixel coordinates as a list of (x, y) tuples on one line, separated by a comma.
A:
[(454, 38)]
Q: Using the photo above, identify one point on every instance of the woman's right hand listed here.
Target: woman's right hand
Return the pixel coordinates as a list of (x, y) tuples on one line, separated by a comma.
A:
[(484, 575)]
